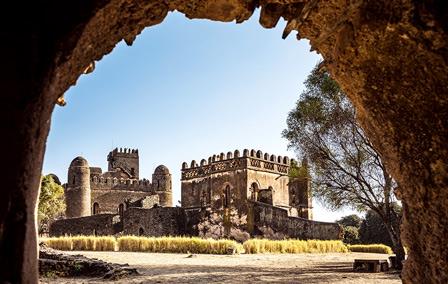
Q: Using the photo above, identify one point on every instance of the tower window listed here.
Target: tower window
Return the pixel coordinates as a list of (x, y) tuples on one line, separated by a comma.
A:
[(226, 201), (96, 208), (121, 210)]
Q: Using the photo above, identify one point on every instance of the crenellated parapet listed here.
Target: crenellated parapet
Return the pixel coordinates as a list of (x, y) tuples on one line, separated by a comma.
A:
[(110, 183), (256, 160), (127, 151)]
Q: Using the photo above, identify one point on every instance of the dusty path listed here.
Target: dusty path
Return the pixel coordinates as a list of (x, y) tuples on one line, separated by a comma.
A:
[(273, 268)]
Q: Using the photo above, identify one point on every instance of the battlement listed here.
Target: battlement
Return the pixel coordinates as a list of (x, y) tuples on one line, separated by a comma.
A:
[(235, 161), (99, 183), (123, 152)]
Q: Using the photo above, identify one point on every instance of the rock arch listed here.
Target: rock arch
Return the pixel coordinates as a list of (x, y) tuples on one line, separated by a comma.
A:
[(388, 55)]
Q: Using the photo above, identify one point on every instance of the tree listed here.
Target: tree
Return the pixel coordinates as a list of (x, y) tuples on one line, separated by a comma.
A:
[(351, 224), (351, 235), (347, 170), (352, 220), (51, 203), (373, 230)]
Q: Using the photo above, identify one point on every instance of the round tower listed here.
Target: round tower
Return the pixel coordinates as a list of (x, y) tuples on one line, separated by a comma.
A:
[(77, 192), (161, 182)]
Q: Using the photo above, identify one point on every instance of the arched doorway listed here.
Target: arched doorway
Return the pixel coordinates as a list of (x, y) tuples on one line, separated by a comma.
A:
[(141, 231), (254, 191)]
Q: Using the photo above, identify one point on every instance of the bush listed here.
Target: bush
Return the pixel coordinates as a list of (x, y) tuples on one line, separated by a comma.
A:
[(375, 248), (351, 235), (292, 246), (178, 245)]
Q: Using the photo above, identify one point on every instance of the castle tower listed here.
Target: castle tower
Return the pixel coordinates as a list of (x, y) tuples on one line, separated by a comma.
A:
[(77, 190), (125, 160), (161, 182)]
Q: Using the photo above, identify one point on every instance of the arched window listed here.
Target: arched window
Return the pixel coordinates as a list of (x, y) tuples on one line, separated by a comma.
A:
[(96, 208), (254, 191), (121, 210), (141, 231)]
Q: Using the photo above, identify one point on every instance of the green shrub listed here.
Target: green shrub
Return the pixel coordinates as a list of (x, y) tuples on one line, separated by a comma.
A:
[(292, 246), (351, 235), (375, 248)]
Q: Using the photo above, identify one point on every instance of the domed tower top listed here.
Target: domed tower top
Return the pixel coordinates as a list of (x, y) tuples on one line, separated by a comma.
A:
[(161, 182), (162, 170), (79, 162)]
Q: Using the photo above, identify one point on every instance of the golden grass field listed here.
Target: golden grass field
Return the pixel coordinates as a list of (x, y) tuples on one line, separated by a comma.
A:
[(206, 246)]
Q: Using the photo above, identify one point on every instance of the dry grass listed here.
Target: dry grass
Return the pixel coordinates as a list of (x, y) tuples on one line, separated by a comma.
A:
[(293, 246), (82, 243), (376, 248), (178, 245), (145, 244)]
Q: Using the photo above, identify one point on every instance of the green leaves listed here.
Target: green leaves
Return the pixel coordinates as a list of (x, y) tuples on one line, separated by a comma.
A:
[(51, 202)]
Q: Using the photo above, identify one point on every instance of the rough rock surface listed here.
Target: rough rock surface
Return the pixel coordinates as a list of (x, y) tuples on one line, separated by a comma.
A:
[(54, 263), (390, 56)]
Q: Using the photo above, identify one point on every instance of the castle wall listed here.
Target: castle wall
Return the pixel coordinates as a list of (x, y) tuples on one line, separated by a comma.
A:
[(157, 222), (103, 224), (210, 191), (109, 200), (101, 183), (274, 223), (265, 180)]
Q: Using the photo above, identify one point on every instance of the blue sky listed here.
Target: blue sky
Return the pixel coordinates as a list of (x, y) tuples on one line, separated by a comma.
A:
[(186, 89)]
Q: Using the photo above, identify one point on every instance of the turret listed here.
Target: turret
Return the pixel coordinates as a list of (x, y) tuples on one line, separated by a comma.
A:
[(125, 160), (77, 190), (161, 182)]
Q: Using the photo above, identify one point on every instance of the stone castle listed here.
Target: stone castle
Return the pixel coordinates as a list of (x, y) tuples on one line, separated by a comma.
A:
[(234, 195), (89, 191)]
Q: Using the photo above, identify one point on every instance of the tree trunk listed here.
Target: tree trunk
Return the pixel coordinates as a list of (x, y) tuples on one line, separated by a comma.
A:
[(397, 245)]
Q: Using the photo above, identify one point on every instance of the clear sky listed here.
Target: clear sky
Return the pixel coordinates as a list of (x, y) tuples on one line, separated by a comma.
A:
[(186, 89)]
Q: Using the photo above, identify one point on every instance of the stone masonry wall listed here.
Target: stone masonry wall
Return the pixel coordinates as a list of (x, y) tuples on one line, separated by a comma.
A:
[(102, 224), (157, 222), (109, 201), (274, 223)]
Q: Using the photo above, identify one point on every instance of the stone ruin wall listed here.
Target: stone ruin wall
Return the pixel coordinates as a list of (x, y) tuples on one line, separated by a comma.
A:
[(102, 224), (264, 180), (274, 223), (110, 192), (108, 200), (156, 222)]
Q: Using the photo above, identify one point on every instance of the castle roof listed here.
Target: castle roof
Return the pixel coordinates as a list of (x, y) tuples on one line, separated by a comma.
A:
[(162, 170), (79, 162)]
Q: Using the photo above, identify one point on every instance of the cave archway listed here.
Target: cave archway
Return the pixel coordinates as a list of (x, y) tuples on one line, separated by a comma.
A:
[(389, 56)]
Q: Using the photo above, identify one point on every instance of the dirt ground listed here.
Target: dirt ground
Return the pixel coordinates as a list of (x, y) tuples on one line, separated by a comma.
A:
[(272, 268)]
